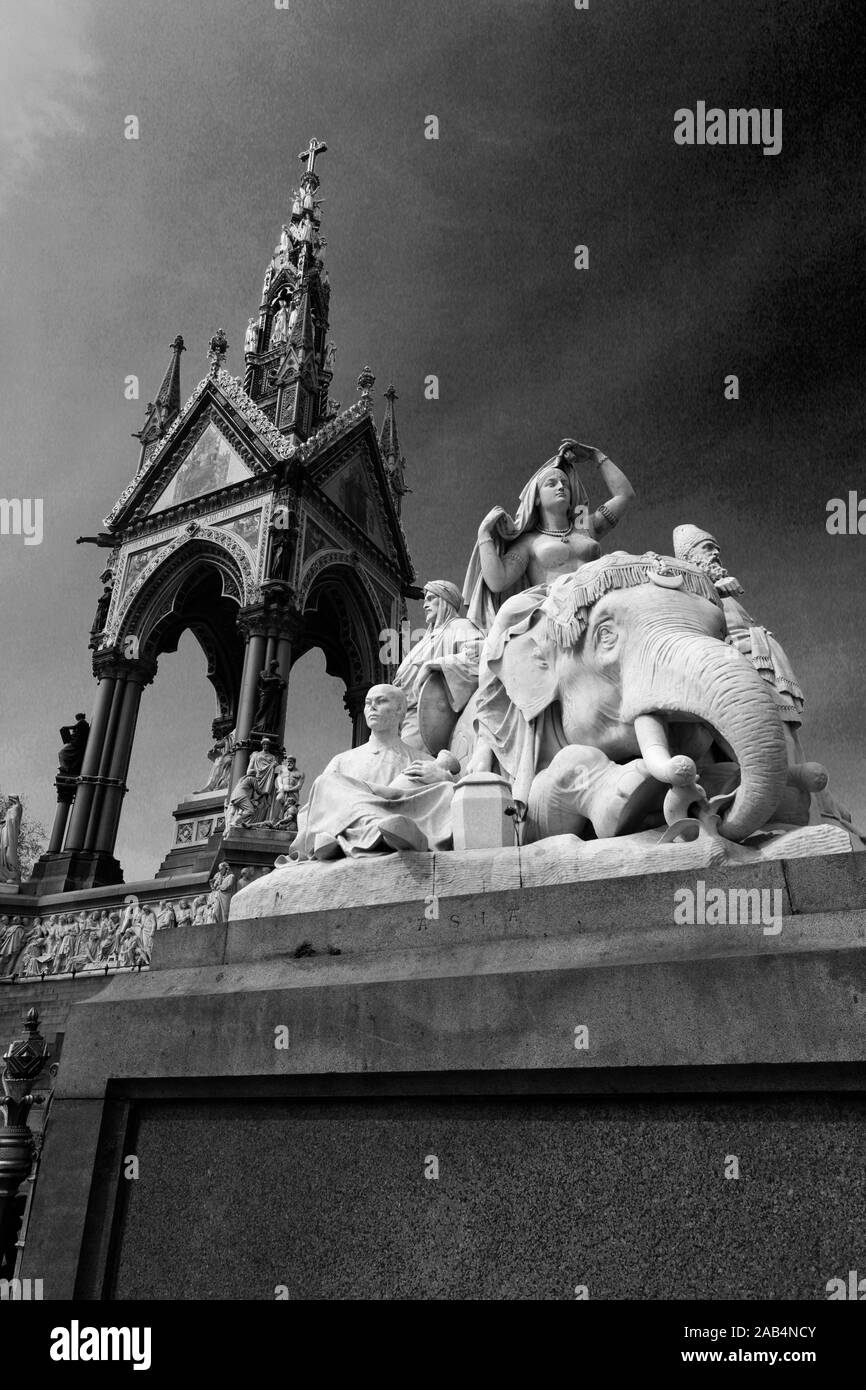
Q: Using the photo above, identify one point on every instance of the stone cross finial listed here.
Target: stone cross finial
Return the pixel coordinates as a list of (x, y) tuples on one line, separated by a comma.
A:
[(309, 155)]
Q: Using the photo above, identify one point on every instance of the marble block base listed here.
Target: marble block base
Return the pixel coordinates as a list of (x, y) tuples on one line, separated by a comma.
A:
[(302, 888), (478, 811)]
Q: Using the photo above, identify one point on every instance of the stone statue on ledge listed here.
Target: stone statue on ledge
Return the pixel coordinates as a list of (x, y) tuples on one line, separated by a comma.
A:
[(223, 886), (282, 553), (378, 797), (221, 755), (287, 795), (280, 324), (250, 800), (271, 687), (10, 830), (103, 603), (74, 737)]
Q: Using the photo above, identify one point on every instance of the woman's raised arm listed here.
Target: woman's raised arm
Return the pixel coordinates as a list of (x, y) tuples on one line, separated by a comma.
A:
[(500, 570)]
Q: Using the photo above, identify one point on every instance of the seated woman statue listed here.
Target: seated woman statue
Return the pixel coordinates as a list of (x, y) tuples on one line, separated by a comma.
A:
[(509, 576)]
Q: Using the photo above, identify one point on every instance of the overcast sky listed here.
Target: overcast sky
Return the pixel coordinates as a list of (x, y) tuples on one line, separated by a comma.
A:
[(453, 257)]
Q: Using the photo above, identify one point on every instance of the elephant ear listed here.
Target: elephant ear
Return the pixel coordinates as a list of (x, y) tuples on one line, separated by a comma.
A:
[(528, 673)]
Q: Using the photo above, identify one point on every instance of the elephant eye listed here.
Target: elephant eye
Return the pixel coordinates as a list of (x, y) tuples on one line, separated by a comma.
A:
[(605, 636)]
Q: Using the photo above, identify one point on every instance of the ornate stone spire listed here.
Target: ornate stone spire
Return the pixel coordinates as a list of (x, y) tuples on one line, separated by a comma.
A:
[(288, 368), (389, 443), (162, 411)]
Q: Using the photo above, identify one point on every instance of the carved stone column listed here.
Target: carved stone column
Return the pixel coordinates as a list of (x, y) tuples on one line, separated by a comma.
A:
[(253, 628), (103, 771), (270, 629), (136, 675), (84, 788), (66, 789)]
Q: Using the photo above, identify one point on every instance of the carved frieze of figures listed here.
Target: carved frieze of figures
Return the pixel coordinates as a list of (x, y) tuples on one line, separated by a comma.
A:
[(112, 938), (82, 941)]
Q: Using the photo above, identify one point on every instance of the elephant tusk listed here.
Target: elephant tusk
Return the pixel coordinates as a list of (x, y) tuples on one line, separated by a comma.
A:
[(652, 738)]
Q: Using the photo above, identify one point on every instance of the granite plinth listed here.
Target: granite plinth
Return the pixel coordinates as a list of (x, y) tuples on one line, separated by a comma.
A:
[(532, 1197), (582, 990)]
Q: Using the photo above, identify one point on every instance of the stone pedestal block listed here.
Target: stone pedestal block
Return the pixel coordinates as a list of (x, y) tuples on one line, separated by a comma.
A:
[(72, 869), (479, 815)]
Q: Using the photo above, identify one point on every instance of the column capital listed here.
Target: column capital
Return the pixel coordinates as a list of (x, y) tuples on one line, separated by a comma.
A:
[(276, 616), (66, 789), (111, 663), (139, 671)]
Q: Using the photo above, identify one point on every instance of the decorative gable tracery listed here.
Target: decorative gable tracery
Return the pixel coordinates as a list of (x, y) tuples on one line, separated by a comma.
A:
[(193, 543)]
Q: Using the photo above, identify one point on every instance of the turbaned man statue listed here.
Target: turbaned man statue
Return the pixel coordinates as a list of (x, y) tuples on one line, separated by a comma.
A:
[(452, 646)]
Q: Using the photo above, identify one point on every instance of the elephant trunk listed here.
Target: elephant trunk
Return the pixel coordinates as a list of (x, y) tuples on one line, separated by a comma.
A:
[(697, 679)]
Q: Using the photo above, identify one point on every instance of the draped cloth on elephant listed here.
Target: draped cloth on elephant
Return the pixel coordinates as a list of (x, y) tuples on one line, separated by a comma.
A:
[(768, 656), (520, 728), (361, 793)]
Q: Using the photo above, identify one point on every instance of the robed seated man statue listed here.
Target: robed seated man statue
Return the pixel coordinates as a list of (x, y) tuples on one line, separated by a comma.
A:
[(378, 797)]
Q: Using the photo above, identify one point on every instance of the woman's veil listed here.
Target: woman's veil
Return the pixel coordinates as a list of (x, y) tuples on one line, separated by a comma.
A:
[(482, 604)]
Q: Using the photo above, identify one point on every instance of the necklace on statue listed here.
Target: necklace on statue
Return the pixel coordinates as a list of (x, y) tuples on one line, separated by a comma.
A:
[(560, 535)]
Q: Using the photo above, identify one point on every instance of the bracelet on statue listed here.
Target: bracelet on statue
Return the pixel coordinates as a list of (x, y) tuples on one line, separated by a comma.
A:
[(608, 515), (486, 540), (602, 458)]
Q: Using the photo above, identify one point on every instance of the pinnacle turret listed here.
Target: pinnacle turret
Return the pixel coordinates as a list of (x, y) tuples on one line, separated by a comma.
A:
[(389, 443), (166, 407), (285, 345)]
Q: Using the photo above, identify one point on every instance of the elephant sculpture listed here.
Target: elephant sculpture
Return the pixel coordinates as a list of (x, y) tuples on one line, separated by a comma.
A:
[(631, 708)]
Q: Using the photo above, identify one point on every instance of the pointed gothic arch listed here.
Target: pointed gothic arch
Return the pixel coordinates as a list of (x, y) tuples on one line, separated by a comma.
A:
[(200, 587), (342, 619)]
